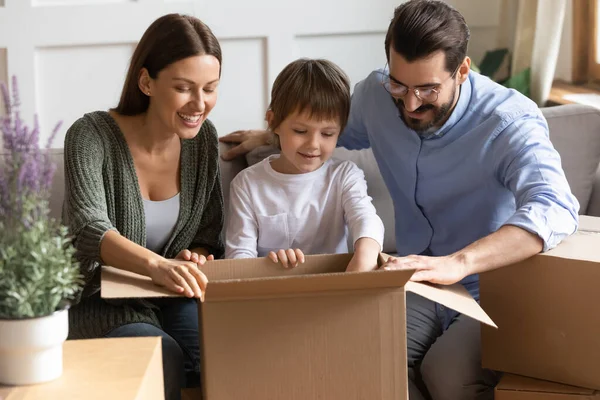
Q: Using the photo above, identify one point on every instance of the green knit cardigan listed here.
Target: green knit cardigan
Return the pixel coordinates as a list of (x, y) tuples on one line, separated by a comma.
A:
[(102, 194)]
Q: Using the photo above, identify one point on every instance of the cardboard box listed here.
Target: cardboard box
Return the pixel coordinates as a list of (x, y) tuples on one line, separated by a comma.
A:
[(514, 387), (100, 369), (312, 332), (547, 311)]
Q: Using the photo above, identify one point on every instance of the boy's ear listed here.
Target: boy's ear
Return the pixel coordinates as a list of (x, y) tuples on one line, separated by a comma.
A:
[(269, 116)]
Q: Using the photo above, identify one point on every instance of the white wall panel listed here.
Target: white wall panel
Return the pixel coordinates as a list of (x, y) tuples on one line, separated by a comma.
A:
[(242, 100), (356, 54), (71, 60), (71, 81), (478, 13), (37, 3)]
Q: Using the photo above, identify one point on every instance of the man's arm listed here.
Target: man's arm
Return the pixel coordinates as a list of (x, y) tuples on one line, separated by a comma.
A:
[(244, 141), (506, 246), (528, 165)]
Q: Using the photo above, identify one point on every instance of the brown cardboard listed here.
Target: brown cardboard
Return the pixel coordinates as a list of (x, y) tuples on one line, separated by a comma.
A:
[(546, 308), (304, 333), (514, 387), (100, 369)]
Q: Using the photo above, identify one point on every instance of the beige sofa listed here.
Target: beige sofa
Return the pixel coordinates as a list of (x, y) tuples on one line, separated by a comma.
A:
[(574, 130)]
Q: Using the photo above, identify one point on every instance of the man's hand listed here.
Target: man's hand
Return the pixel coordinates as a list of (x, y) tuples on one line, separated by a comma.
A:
[(289, 258), (246, 142), (441, 270), (199, 259)]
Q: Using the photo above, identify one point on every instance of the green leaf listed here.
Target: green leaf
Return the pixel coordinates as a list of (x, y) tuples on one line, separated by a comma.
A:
[(492, 61), (38, 269), (520, 82)]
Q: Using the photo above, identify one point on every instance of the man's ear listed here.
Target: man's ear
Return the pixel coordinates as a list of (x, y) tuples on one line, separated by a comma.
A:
[(464, 70)]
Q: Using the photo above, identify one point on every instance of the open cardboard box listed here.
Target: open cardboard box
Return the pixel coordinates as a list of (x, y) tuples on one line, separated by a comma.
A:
[(312, 332), (547, 311), (514, 387)]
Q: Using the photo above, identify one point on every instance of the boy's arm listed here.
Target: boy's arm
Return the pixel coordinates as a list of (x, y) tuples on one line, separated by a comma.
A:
[(366, 251), (364, 224), (242, 229)]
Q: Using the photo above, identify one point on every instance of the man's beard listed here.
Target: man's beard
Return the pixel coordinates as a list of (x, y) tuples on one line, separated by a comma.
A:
[(424, 127)]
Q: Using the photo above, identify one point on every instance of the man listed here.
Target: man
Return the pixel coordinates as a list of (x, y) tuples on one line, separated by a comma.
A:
[(475, 181)]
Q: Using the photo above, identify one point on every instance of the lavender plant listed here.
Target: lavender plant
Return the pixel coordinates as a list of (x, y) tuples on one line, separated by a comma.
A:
[(38, 273)]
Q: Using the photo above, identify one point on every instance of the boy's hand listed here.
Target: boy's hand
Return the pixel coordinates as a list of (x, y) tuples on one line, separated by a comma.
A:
[(289, 258)]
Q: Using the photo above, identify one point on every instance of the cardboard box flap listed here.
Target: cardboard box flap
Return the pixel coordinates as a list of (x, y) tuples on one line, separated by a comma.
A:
[(263, 267), (123, 284), (582, 245), (523, 384), (454, 296), (119, 284), (287, 286)]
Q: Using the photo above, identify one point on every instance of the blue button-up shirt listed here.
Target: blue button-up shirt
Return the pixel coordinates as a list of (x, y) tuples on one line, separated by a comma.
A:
[(490, 164)]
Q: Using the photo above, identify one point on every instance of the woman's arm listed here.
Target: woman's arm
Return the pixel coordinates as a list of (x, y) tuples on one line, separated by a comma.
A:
[(179, 276), (96, 239)]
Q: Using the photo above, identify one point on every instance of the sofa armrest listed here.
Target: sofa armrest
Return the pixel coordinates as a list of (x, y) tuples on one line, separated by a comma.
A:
[(593, 208)]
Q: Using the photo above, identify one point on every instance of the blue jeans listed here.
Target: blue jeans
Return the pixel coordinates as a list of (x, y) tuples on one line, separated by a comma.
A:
[(180, 342)]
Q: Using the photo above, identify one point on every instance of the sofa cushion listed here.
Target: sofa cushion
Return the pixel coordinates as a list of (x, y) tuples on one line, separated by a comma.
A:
[(57, 193), (575, 133)]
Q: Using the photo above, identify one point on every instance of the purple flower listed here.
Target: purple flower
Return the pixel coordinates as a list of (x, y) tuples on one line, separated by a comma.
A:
[(26, 177)]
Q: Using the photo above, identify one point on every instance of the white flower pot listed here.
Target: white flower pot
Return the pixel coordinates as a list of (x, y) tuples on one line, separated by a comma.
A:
[(31, 349)]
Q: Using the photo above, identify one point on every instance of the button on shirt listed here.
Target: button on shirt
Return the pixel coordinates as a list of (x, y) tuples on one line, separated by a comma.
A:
[(490, 164)]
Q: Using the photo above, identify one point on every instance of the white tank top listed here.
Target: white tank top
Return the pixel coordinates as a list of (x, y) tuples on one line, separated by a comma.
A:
[(161, 218)]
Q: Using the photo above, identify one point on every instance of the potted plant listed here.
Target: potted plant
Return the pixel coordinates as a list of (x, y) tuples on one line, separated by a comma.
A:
[(38, 273)]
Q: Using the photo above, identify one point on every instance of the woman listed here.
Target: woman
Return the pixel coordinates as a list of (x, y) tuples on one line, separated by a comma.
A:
[(143, 193)]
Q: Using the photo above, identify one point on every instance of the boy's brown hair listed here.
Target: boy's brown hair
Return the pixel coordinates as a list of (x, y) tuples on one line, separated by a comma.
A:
[(318, 87)]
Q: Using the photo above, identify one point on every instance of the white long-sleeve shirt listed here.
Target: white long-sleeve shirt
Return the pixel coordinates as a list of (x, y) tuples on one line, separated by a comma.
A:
[(313, 212)]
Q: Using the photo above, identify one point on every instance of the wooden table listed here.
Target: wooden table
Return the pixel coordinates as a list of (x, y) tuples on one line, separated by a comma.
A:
[(103, 369), (561, 88)]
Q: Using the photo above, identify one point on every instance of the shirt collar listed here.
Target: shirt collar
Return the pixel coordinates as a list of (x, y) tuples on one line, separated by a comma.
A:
[(464, 98)]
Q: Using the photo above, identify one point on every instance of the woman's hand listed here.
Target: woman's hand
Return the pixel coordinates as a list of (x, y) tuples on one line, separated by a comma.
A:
[(187, 255), (289, 258), (179, 276)]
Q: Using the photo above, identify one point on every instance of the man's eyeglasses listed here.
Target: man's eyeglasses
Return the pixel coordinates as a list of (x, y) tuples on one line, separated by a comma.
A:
[(424, 94)]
